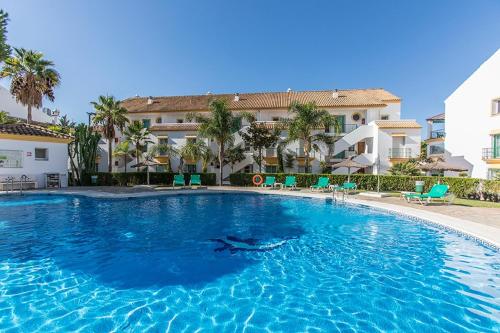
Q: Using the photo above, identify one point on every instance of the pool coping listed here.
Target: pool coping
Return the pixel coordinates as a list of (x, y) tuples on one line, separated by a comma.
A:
[(484, 234)]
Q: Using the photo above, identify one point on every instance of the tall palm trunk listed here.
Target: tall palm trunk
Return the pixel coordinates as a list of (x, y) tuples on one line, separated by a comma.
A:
[(221, 161), (110, 155), (137, 156), (306, 153), (29, 119), (260, 160)]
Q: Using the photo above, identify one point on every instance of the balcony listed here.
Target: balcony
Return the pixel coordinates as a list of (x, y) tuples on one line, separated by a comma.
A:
[(175, 127), (399, 153), (491, 155), (343, 129), (301, 154), (437, 134)]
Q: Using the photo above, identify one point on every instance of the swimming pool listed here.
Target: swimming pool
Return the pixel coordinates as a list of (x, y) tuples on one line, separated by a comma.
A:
[(236, 262)]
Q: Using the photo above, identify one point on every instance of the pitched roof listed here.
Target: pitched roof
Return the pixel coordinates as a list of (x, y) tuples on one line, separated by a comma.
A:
[(30, 130), (267, 100), (397, 124), (437, 117)]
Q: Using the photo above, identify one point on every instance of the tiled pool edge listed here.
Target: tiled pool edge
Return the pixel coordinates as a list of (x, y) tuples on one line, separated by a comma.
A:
[(483, 234)]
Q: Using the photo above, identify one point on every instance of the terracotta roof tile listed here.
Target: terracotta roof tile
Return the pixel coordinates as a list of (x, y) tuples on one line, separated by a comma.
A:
[(266, 100), (397, 124), (31, 130), (437, 117)]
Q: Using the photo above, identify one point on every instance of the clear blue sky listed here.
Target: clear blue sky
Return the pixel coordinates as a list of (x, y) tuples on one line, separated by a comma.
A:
[(419, 50)]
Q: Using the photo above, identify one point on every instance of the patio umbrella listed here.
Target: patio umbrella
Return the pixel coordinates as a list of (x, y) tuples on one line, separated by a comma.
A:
[(147, 163), (440, 165), (349, 163)]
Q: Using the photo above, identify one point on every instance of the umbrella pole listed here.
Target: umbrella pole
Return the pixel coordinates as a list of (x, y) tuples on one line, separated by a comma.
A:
[(348, 175)]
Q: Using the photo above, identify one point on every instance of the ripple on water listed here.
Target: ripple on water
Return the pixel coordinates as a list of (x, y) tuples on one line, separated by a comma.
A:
[(69, 263)]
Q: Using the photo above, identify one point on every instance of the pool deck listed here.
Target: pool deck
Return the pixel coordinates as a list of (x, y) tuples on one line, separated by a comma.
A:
[(480, 223)]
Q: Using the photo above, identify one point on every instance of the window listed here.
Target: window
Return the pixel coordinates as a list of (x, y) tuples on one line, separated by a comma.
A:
[(384, 117), (116, 140), (191, 168), (180, 121), (493, 173), (248, 169), (495, 107), (162, 141), (146, 123), (158, 120), (41, 154), (11, 158), (116, 163), (276, 118), (271, 168)]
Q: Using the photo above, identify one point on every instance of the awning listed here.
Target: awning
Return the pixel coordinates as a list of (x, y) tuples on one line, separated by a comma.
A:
[(398, 134), (190, 136), (495, 131)]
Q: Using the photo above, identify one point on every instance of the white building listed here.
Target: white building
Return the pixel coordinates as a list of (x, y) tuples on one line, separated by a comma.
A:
[(473, 119), (33, 151), (8, 104), (371, 127)]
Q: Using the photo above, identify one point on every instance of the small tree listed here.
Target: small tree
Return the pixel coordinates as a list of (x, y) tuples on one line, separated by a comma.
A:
[(139, 136), (124, 151), (164, 149), (259, 137), (6, 119), (235, 155), (192, 150), (408, 168)]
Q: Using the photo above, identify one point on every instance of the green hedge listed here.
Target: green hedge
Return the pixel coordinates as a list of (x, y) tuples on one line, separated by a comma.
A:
[(461, 187), (138, 178)]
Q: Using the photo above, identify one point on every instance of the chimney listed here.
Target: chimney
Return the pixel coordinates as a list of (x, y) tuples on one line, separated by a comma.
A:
[(236, 97), (289, 90), (335, 94), (150, 100)]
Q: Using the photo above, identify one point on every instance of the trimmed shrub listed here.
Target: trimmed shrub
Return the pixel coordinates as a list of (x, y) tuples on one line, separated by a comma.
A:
[(138, 178), (472, 188)]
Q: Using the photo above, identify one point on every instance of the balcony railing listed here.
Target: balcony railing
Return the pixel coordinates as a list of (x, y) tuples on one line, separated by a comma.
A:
[(270, 152), (437, 134), (343, 128), (491, 153), (399, 152)]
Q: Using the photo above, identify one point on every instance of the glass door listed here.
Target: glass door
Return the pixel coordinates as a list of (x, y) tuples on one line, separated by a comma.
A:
[(496, 146)]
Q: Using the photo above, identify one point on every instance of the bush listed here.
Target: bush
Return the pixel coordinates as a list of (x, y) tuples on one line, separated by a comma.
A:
[(138, 178), (461, 187)]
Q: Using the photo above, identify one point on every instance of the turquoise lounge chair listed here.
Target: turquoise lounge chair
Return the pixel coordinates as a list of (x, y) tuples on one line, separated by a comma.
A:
[(438, 191), (179, 180), (290, 182), (195, 180), (270, 181), (347, 187), (322, 184)]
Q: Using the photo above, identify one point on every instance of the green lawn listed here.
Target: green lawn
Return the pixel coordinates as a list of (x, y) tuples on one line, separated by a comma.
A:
[(476, 203)]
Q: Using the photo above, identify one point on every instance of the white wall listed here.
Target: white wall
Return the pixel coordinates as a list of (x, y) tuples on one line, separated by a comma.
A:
[(9, 104), (384, 141), (35, 169), (468, 115)]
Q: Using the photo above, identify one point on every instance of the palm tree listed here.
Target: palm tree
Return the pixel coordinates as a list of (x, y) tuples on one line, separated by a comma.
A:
[(123, 150), (6, 119), (192, 150), (32, 78), (164, 149), (219, 126), (307, 118), (138, 136), (4, 47), (110, 115)]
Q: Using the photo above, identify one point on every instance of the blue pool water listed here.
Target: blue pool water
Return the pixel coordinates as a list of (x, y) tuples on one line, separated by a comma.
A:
[(150, 264)]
